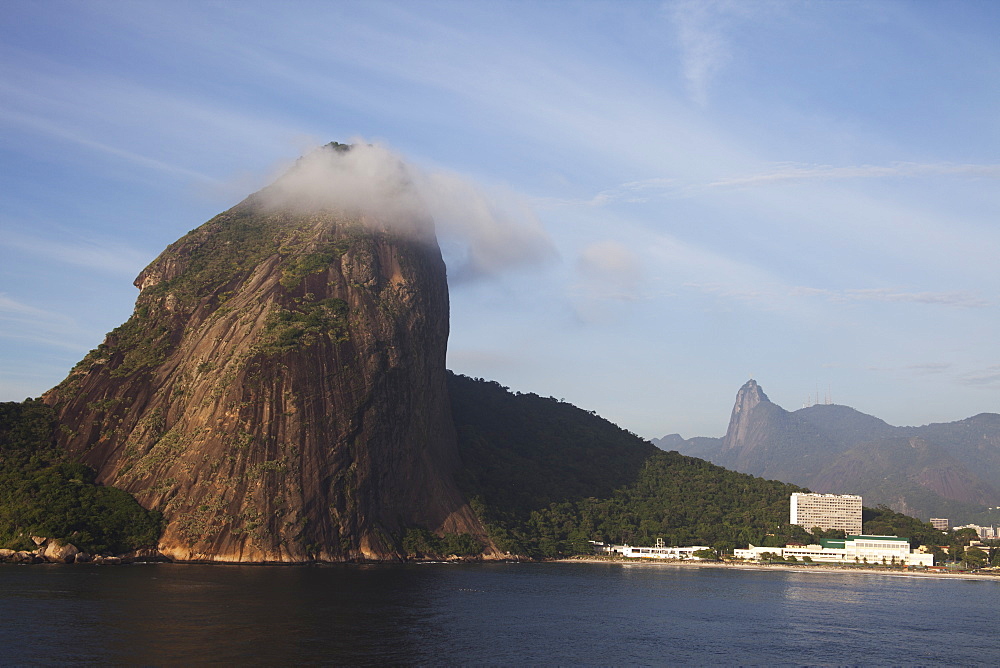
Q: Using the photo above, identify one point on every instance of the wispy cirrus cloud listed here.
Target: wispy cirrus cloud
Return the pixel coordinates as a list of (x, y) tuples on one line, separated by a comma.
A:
[(893, 295), (929, 368), (634, 191), (705, 49), (19, 321), (774, 293), (11, 308), (987, 377), (791, 172), (111, 115), (645, 190), (57, 130), (742, 293), (103, 256)]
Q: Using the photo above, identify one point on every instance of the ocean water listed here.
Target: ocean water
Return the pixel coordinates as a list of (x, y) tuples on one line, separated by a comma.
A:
[(493, 614)]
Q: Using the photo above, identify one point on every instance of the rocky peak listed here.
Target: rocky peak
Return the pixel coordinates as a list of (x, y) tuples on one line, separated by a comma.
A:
[(279, 392), (740, 422)]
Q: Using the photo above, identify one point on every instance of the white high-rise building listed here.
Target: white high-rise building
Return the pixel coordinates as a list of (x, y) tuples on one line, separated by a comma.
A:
[(827, 511)]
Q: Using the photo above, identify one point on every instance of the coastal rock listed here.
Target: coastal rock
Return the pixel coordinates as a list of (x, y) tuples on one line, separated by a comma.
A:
[(106, 560), (58, 552), (26, 557), (150, 554)]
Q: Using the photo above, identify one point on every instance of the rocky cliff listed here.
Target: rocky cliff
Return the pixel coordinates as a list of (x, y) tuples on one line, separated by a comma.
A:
[(766, 440), (742, 422), (279, 392)]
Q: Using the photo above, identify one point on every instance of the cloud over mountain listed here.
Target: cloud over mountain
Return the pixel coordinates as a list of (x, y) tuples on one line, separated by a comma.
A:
[(485, 232)]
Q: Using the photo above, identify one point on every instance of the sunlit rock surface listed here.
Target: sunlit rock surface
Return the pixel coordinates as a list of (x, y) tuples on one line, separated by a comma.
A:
[(279, 392)]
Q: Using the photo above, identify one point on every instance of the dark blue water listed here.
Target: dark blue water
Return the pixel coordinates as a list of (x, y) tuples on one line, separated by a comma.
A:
[(501, 614)]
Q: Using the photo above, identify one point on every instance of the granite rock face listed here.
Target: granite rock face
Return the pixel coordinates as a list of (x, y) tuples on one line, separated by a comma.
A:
[(279, 392), (765, 439), (741, 422)]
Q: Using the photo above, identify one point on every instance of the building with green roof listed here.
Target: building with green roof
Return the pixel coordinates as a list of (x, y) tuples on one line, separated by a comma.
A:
[(858, 549)]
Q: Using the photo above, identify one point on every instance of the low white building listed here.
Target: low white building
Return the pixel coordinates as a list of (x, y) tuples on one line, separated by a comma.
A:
[(851, 550), (658, 552)]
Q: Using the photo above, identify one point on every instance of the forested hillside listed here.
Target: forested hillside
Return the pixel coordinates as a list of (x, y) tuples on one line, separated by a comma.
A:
[(43, 493), (685, 501), (548, 476), (521, 452)]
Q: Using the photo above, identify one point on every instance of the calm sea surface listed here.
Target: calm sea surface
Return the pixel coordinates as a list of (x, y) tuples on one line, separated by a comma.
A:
[(513, 614)]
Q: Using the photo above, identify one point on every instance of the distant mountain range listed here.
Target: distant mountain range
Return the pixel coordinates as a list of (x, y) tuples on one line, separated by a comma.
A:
[(943, 470)]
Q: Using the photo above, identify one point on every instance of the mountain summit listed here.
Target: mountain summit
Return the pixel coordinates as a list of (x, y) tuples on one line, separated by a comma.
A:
[(741, 421), (279, 392), (944, 470)]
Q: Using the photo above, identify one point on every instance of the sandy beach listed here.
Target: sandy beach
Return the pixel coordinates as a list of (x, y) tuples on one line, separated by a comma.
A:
[(993, 576)]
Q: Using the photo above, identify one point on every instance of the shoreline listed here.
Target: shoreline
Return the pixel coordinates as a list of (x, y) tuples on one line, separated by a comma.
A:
[(798, 568)]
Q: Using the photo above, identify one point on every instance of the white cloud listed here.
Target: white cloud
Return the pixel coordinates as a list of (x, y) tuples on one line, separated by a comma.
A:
[(496, 227), (493, 230), (704, 48)]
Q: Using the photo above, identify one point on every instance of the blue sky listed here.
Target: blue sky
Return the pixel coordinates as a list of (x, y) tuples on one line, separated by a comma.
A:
[(801, 192)]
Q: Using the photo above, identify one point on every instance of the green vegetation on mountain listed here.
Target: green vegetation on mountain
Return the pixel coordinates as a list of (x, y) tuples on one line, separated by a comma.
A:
[(547, 477), (304, 324), (44, 493), (522, 452), (683, 500), (883, 521), (422, 544), (223, 251)]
